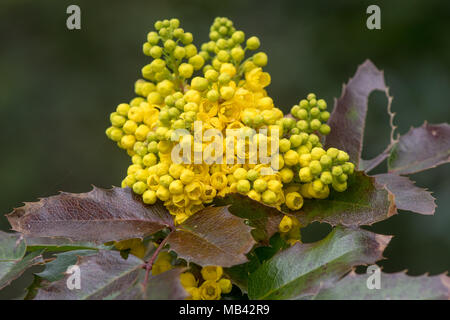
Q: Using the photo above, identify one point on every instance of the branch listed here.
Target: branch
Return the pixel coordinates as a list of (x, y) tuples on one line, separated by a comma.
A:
[(148, 266)]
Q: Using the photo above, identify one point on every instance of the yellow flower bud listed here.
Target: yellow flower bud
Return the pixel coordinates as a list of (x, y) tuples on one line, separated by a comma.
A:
[(225, 285), (188, 280), (285, 224)]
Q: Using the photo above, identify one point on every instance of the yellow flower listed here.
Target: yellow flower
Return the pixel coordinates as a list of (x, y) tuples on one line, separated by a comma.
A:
[(213, 273), (194, 190), (219, 180), (256, 79), (209, 108), (229, 111), (210, 290)]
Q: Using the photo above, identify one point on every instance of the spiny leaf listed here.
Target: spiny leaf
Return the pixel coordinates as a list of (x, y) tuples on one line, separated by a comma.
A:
[(99, 215), (213, 236), (262, 218), (395, 286), (100, 276), (55, 270), (347, 121), (420, 149), (407, 195), (301, 270), (363, 203)]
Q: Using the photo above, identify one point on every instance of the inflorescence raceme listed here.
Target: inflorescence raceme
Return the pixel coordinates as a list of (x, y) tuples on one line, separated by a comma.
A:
[(223, 86)]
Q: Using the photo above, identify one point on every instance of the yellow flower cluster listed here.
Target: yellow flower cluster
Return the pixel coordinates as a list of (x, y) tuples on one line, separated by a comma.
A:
[(228, 93), (213, 284)]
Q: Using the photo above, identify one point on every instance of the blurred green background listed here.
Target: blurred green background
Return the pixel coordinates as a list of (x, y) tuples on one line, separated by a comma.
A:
[(57, 88)]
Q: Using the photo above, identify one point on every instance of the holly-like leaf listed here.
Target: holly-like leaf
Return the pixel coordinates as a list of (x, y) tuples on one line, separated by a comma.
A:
[(420, 149), (301, 270), (56, 269), (363, 203), (264, 219), (12, 260), (99, 215), (407, 195), (394, 286), (347, 121), (213, 236)]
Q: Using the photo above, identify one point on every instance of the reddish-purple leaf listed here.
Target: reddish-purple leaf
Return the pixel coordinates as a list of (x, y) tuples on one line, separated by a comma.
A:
[(420, 149), (363, 203), (213, 236), (106, 275), (348, 118), (407, 195), (99, 215)]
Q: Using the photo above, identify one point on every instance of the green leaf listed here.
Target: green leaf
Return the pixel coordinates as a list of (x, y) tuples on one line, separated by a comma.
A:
[(12, 246), (61, 244), (212, 236), (363, 203), (303, 269), (55, 270), (407, 195), (347, 121), (420, 149), (100, 215), (395, 286), (239, 274), (11, 270), (12, 260), (264, 219)]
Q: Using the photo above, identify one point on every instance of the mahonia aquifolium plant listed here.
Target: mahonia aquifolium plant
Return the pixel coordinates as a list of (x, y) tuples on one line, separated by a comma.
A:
[(223, 89), (227, 225)]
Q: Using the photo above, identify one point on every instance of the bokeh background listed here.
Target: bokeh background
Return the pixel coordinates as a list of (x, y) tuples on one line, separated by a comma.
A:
[(57, 88)]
